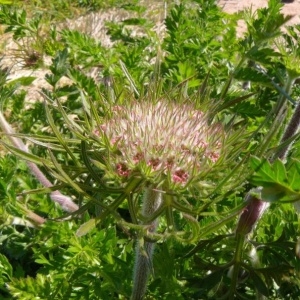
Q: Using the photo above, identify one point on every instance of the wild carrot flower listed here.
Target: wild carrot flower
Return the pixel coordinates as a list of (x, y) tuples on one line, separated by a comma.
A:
[(168, 145), (164, 142)]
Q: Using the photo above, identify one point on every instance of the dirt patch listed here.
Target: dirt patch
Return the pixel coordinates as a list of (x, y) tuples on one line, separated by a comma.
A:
[(232, 6)]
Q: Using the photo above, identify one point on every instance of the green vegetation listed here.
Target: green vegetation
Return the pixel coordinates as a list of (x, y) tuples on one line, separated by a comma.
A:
[(184, 137)]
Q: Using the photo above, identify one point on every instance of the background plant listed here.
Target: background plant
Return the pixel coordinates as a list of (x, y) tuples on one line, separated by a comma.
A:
[(197, 63)]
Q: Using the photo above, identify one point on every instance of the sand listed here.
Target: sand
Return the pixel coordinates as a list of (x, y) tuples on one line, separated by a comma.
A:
[(232, 6)]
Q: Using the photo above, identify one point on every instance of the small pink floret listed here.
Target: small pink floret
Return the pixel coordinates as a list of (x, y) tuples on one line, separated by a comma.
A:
[(138, 157), (122, 170), (97, 132), (213, 156), (154, 163), (180, 176), (115, 140)]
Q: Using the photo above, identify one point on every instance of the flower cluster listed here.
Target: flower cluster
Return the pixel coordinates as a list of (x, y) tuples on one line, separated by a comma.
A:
[(162, 140)]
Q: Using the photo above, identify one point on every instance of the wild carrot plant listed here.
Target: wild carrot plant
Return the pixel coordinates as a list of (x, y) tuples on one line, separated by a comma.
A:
[(178, 181)]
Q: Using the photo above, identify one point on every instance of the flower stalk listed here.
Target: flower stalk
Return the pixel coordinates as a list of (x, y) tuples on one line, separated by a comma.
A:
[(144, 249)]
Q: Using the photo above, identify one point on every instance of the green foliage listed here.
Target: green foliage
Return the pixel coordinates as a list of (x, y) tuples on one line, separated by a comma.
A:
[(16, 22), (279, 183), (94, 5), (6, 269), (267, 22), (74, 268), (193, 45), (82, 47), (89, 254), (26, 33)]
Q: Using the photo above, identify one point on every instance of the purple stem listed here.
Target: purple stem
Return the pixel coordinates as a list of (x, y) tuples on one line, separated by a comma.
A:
[(65, 202)]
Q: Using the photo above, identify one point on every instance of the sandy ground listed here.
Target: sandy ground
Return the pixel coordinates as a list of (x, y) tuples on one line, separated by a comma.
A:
[(232, 6), (236, 5)]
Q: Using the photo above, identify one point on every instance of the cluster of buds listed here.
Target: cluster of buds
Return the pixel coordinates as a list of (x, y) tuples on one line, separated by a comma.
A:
[(162, 141)]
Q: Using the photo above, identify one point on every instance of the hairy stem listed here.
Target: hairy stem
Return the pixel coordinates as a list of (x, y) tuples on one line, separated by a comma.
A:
[(255, 208), (238, 256), (65, 202), (144, 250), (290, 131)]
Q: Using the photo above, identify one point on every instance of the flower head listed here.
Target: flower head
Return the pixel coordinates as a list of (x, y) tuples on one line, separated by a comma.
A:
[(163, 141)]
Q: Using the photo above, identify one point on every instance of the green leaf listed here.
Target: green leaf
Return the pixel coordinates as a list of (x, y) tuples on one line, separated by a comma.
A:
[(43, 260), (278, 182), (25, 81), (31, 288), (86, 227), (259, 284), (5, 267), (26, 155), (63, 176), (294, 174), (211, 281), (57, 133), (263, 56), (251, 74)]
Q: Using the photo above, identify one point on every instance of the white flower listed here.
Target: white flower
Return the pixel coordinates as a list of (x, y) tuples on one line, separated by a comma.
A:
[(162, 141)]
